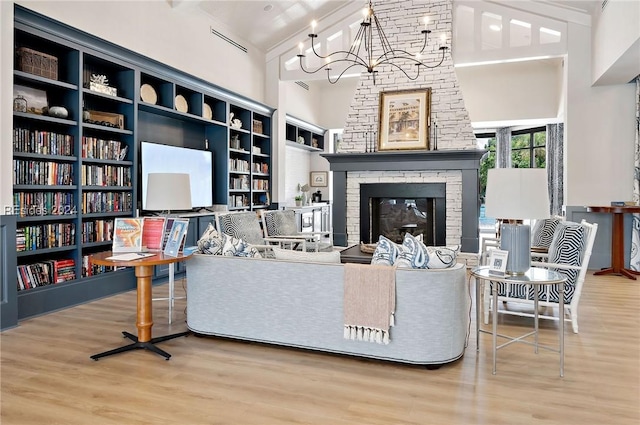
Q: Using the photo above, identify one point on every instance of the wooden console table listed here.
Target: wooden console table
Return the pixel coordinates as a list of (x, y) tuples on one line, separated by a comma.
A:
[(144, 320), (617, 240)]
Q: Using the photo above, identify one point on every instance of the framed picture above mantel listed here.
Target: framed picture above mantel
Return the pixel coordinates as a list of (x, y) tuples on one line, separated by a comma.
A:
[(403, 121)]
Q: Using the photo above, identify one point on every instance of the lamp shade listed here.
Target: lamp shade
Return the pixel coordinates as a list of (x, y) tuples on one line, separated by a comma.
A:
[(517, 193), (168, 191)]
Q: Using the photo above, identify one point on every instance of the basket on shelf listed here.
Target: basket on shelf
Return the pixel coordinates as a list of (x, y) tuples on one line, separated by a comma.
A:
[(257, 126), (37, 63)]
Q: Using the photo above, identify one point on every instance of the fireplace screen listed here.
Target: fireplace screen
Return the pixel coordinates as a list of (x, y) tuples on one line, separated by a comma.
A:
[(393, 217), (393, 209)]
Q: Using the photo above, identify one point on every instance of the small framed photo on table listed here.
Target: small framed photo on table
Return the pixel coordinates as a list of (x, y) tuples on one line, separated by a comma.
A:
[(319, 178), (498, 262)]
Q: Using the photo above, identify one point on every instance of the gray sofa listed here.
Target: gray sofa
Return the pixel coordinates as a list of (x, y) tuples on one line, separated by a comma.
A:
[(299, 304)]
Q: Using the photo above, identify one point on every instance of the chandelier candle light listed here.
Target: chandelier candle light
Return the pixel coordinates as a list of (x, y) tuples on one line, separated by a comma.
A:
[(362, 51)]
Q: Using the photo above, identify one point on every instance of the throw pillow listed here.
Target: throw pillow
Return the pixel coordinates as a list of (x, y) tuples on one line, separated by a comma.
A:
[(211, 242), (386, 252), (566, 248), (442, 257), (311, 257), (234, 247), (413, 254), (543, 230)]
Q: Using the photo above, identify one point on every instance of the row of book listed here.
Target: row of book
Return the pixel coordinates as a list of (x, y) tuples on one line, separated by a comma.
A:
[(261, 167), (42, 142), (29, 204), (90, 269), (260, 184), (238, 201), (100, 202), (95, 148), (239, 183), (42, 172), (45, 273), (97, 231), (43, 236), (236, 164), (105, 175)]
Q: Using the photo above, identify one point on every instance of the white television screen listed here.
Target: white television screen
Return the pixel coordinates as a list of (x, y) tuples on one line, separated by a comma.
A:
[(158, 158)]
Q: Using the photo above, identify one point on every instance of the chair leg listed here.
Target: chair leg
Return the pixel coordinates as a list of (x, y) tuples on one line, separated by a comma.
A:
[(574, 320)]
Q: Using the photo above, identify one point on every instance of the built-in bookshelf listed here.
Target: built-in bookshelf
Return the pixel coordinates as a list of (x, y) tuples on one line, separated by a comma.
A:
[(303, 135), (77, 170)]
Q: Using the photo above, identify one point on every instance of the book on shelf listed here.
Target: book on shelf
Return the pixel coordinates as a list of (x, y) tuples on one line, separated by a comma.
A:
[(177, 235), (127, 235), (153, 233)]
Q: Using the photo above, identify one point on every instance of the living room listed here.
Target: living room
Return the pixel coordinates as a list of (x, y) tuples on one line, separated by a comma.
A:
[(599, 124)]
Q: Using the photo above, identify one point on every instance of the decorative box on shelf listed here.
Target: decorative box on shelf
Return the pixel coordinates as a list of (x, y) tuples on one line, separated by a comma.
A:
[(256, 149), (108, 119), (103, 88), (257, 126), (37, 63)]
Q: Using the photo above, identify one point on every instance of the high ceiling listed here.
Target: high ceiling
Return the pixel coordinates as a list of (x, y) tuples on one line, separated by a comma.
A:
[(266, 24)]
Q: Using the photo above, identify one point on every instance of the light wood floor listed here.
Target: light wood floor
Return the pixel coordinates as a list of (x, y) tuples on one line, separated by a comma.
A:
[(48, 378)]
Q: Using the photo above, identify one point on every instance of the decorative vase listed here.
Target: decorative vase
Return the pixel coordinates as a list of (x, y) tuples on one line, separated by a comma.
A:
[(58, 112), (20, 104)]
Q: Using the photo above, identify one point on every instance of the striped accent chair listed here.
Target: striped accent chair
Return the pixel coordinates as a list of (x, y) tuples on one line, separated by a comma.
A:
[(569, 254)]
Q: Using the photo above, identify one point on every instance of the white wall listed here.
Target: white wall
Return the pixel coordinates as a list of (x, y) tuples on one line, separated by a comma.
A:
[(616, 42), (512, 91), (599, 131), (6, 105)]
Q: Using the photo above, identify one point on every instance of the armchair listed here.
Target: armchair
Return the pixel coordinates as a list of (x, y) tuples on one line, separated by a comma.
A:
[(245, 225), (569, 254), (282, 224)]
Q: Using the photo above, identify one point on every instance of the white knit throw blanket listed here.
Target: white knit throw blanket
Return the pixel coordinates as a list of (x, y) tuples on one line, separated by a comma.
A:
[(369, 302)]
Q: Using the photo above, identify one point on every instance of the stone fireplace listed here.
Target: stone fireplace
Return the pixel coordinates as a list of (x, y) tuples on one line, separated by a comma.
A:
[(454, 172), (454, 162)]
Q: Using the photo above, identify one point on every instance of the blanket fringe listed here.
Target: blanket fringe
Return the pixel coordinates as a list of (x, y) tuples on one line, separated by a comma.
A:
[(361, 333)]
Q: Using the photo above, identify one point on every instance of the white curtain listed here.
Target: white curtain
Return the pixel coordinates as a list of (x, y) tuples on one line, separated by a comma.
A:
[(635, 236)]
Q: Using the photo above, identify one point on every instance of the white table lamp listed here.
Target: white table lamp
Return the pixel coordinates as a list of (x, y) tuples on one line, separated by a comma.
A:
[(168, 191), (517, 194)]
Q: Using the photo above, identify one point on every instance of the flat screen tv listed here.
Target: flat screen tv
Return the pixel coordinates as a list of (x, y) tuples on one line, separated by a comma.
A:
[(159, 158)]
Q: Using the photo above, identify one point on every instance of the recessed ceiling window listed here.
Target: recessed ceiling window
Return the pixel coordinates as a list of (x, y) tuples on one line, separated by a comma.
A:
[(548, 36), (464, 27), (491, 39), (520, 33)]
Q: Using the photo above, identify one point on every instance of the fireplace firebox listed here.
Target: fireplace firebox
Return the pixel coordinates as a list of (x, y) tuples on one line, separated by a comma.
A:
[(394, 209)]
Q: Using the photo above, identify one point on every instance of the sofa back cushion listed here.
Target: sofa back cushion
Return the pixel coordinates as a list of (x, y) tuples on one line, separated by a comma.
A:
[(310, 257)]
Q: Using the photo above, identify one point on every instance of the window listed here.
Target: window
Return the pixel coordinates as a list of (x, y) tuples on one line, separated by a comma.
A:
[(528, 148)]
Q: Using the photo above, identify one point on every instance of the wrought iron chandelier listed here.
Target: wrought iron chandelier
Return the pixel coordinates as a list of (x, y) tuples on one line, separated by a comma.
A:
[(361, 53)]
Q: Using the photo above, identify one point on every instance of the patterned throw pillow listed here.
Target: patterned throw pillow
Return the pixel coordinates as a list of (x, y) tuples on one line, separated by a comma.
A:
[(566, 248), (386, 252), (211, 242), (442, 257), (413, 254), (234, 247), (543, 230)]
